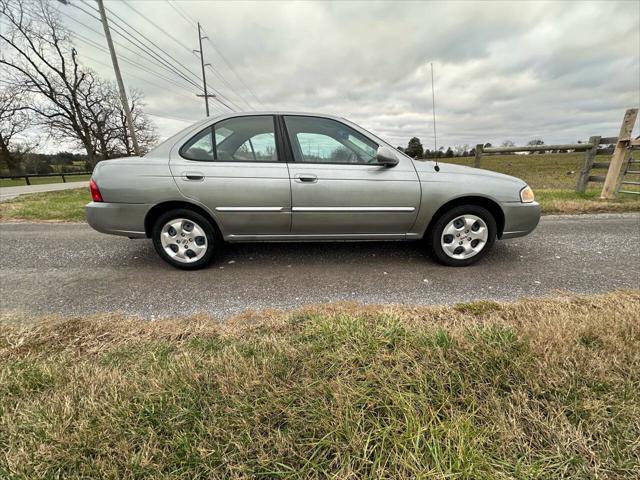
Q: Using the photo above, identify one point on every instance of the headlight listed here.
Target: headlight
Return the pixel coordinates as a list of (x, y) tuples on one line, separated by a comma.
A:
[(526, 195)]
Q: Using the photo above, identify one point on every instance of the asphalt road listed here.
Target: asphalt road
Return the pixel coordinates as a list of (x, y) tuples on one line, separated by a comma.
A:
[(70, 269)]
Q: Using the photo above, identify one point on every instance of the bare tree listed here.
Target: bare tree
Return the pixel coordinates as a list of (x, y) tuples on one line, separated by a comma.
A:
[(102, 107), (14, 120), (41, 60), (144, 127), (508, 143)]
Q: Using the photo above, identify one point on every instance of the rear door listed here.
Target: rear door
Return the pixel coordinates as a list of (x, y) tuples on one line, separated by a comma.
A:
[(338, 188), (234, 168)]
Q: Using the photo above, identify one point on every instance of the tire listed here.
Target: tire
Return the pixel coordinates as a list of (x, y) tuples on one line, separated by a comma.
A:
[(472, 241), (192, 232)]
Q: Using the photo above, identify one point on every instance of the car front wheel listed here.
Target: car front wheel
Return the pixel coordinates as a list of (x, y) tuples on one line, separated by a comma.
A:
[(184, 239), (463, 235)]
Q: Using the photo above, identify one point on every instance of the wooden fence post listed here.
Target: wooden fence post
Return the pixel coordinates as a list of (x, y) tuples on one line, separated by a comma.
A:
[(589, 157), (479, 149), (619, 154)]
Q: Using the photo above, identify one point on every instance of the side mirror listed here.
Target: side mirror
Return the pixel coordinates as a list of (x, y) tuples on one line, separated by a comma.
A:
[(386, 157)]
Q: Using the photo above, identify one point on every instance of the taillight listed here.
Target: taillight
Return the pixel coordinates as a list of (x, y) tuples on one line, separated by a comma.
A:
[(95, 191)]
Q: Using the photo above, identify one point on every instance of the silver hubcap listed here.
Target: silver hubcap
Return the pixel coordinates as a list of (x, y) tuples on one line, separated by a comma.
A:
[(184, 240), (464, 237)]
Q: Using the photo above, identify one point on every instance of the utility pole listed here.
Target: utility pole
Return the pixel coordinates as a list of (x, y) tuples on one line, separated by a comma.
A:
[(204, 77), (116, 69), (433, 100)]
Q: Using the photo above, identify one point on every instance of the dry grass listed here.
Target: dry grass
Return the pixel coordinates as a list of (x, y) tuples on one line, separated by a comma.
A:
[(534, 389), (569, 202)]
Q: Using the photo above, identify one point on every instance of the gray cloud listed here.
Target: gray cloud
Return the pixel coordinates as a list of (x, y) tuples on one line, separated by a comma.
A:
[(557, 70)]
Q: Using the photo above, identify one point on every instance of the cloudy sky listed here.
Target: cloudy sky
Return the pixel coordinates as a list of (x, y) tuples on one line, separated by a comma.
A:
[(560, 71)]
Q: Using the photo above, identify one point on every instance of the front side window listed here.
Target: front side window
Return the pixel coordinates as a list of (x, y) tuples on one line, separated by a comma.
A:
[(323, 140), (240, 139)]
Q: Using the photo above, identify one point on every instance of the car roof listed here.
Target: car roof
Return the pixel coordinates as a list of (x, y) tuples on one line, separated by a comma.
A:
[(164, 148), (245, 113)]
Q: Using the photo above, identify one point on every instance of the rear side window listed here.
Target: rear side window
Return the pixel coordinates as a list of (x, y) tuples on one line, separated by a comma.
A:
[(240, 139), (246, 139)]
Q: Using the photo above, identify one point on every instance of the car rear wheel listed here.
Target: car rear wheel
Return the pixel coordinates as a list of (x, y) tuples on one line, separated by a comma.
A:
[(463, 235), (184, 239)]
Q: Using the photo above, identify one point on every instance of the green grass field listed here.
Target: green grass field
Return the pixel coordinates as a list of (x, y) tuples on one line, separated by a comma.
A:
[(538, 389), (547, 171), (42, 181), (64, 205)]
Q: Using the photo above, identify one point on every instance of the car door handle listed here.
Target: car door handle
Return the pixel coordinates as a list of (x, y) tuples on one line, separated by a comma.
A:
[(194, 176), (306, 178)]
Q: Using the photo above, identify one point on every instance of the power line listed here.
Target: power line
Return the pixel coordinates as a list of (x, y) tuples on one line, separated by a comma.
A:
[(182, 13), (218, 93), (131, 62), (224, 80), (126, 35), (154, 56), (126, 59), (176, 40), (135, 76), (194, 23), (128, 5), (234, 72), (175, 92)]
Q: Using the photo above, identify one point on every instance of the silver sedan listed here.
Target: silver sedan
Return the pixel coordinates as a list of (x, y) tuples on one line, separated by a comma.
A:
[(275, 176)]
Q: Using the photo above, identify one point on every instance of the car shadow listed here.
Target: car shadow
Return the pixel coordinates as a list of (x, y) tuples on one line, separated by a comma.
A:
[(357, 254)]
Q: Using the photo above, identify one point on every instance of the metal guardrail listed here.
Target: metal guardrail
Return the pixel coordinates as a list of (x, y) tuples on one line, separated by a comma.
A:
[(43, 175)]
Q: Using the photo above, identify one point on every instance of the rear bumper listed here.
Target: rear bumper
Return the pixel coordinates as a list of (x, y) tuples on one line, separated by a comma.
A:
[(520, 219), (125, 219)]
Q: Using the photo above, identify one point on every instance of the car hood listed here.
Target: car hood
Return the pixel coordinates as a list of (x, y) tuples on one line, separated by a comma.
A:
[(427, 167)]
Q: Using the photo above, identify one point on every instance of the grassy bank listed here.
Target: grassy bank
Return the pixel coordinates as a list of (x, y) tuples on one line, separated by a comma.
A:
[(534, 389), (555, 201), (64, 205)]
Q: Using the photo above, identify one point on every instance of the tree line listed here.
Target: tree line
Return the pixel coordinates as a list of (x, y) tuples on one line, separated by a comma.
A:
[(45, 90), (415, 149)]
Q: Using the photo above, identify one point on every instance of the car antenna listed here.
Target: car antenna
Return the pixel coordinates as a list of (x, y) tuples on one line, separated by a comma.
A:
[(436, 167)]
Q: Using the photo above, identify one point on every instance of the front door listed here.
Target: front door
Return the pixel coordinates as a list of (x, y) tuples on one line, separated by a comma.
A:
[(234, 168), (337, 188)]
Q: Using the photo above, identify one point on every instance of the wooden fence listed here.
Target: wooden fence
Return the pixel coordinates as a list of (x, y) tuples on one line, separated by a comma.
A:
[(616, 169), (43, 175)]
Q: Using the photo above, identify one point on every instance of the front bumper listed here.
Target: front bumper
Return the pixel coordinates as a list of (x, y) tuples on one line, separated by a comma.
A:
[(520, 218), (125, 219)]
